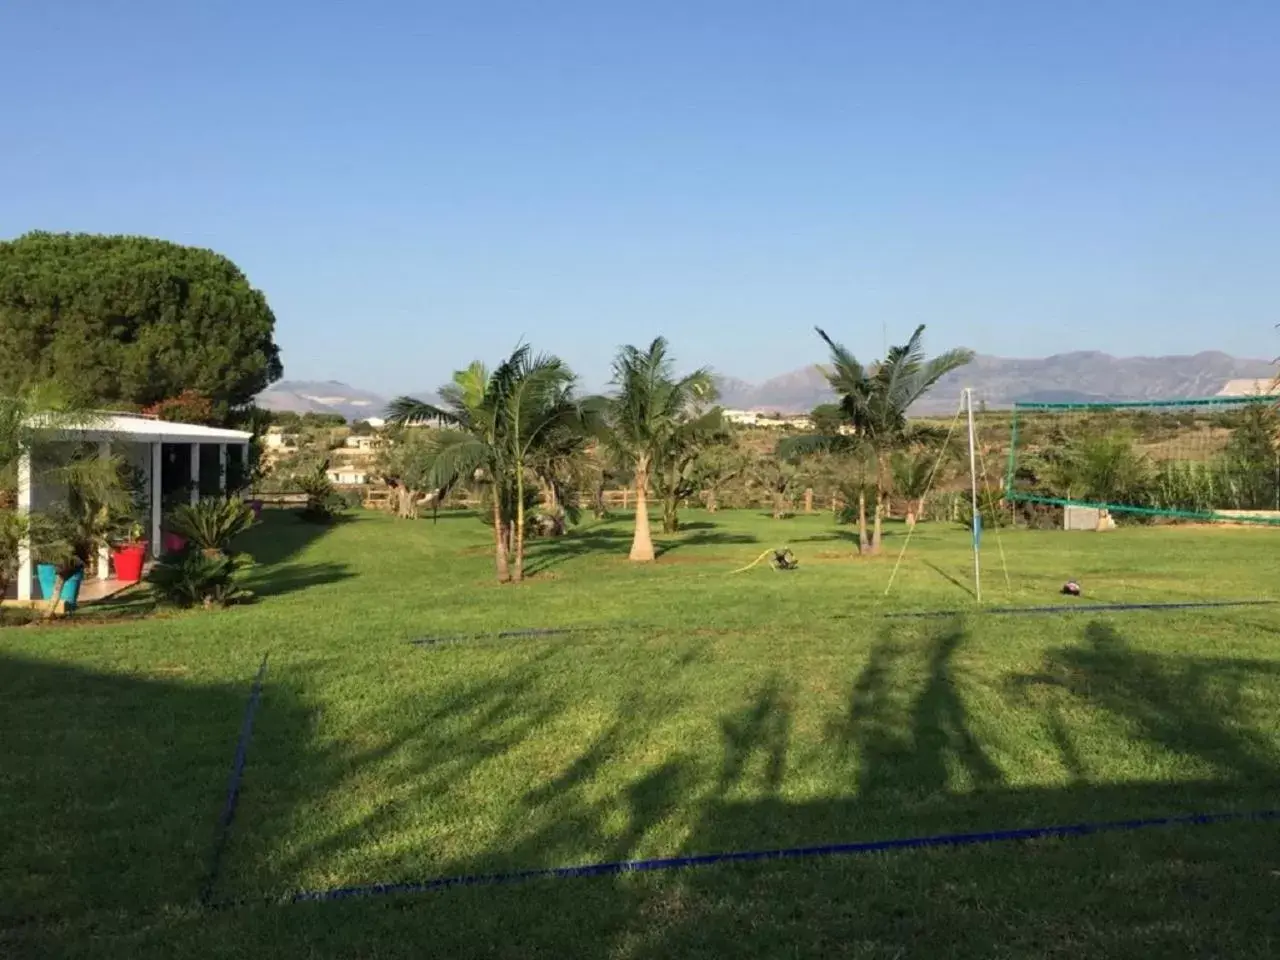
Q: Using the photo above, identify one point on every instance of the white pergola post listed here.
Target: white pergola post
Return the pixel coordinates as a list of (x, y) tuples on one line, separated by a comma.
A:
[(104, 550), (222, 468), (24, 508), (157, 496), (195, 473)]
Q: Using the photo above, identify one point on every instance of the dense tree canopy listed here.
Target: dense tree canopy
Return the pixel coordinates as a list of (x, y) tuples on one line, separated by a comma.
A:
[(131, 321)]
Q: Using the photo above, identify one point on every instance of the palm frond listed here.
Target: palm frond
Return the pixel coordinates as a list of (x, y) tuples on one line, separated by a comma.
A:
[(410, 411)]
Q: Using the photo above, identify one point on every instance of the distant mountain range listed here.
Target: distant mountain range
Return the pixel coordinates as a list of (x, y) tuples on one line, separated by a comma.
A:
[(999, 381), (322, 396)]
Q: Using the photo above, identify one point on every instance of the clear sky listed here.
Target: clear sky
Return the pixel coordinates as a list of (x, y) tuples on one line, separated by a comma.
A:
[(415, 184)]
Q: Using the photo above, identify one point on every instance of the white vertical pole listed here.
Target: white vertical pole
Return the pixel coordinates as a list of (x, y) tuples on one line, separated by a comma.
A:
[(104, 550), (977, 515), (195, 473), (222, 468), (24, 508), (157, 494)]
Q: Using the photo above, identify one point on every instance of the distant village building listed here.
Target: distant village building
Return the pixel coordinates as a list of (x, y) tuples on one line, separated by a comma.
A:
[(776, 421), (276, 439), (347, 475)]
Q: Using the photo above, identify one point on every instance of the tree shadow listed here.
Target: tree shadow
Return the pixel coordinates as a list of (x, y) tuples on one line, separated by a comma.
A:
[(112, 786), (278, 580), (280, 536), (905, 757), (701, 538)]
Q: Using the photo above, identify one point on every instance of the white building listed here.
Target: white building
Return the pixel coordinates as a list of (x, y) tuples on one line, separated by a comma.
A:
[(169, 456), (754, 418), (345, 475)]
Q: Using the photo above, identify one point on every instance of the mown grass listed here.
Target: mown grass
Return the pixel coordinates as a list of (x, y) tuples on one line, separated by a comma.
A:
[(689, 710)]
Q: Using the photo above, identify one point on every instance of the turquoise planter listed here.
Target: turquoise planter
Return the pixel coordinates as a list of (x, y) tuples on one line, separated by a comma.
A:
[(47, 574)]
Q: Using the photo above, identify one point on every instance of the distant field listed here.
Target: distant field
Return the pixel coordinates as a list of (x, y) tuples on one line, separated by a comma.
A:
[(688, 710)]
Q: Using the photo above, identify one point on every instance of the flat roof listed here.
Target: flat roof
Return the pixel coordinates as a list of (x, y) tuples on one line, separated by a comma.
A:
[(120, 426)]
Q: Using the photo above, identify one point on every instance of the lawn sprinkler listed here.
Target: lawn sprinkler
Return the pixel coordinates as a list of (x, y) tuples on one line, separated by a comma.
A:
[(784, 559), (1071, 588)]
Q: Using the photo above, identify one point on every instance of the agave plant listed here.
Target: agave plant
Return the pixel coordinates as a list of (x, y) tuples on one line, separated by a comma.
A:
[(211, 524)]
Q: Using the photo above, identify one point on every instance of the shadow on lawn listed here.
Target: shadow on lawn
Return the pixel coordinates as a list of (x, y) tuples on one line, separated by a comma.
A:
[(615, 540), (911, 761), (274, 542), (111, 786)]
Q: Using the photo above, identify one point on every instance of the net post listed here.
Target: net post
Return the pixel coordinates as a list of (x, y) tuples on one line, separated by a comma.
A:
[(973, 489)]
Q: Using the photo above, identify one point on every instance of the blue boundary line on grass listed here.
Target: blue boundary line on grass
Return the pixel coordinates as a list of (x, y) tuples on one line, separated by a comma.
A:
[(223, 833), (526, 632), (1083, 608), (614, 868)]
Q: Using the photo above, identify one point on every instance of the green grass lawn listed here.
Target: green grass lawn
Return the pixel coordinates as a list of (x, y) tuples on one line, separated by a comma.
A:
[(690, 711)]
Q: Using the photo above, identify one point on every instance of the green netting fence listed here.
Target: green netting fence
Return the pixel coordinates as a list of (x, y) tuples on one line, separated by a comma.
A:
[(1212, 459)]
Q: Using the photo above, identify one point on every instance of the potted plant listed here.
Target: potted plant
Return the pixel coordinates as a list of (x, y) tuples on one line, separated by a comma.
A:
[(129, 554), (129, 548), (62, 551), (74, 533)]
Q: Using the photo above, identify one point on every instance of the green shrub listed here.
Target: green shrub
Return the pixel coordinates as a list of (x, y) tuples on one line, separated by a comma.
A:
[(212, 523), (324, 503), (205, 578)]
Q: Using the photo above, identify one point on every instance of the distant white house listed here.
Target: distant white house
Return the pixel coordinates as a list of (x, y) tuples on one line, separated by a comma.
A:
[(277, 439), (754, 418), (348, 476), (376, 422), (361, 443)]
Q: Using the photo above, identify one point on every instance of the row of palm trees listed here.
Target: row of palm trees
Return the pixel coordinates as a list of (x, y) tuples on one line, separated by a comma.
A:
[(519, 427)]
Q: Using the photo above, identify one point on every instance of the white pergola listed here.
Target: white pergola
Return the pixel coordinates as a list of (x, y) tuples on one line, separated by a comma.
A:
[(142, 440)]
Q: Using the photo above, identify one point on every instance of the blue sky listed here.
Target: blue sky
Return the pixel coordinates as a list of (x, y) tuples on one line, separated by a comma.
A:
[(417, 184)]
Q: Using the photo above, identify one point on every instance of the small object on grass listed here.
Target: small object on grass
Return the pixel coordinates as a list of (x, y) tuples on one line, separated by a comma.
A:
[(1071, 588), (784, 559)]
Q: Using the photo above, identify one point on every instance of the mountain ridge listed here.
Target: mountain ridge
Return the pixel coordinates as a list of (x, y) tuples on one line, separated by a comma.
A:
[(1077, 375)]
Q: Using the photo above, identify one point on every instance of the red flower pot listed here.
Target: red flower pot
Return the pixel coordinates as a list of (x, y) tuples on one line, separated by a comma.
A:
[(128, 562)]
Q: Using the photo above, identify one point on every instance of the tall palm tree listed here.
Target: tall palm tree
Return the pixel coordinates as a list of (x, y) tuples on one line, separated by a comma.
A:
[(874, 402), (498, 420), (651, 413)]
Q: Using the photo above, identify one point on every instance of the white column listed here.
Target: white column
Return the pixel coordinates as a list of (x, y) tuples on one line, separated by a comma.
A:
[(195, 473), (104, 550), (222, 468), (24, 508), (157, 493)]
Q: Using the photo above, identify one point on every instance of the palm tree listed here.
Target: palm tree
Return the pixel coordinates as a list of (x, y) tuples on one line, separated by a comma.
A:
[(499, 422), (874, 402), (651, 416)]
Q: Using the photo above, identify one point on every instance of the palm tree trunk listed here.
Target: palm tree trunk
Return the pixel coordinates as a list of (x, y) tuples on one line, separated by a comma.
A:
[(876, 532), (600, 510), (863, 544), (880, 498), (670, 516), (500, 539), (712, 506), (642, 542), (56, 600), (518, 573), (777, 504)]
